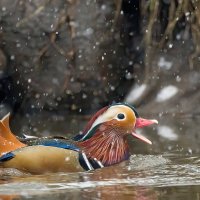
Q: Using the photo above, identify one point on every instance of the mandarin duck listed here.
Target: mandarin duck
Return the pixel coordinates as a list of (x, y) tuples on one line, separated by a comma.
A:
[(102, 143)]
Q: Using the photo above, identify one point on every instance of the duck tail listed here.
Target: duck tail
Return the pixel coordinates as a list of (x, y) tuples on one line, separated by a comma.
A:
[(8, 141)]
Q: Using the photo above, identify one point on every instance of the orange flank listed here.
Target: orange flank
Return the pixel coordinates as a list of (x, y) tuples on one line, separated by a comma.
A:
[(8, 141)]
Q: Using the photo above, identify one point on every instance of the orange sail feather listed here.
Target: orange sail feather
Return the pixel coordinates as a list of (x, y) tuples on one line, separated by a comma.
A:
[(8, 141)]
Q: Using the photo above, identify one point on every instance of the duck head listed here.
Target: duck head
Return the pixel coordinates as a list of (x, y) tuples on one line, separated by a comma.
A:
[(105, 136)]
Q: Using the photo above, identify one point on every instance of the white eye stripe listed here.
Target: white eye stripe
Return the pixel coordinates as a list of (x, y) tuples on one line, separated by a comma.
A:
[(108, 115)]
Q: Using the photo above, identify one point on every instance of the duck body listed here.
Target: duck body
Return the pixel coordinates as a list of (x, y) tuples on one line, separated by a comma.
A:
[(42, 159), (44, 155), (102, 143)]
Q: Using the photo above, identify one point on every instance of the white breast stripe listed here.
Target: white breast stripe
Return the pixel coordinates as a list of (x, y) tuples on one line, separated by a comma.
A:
[(99, 163), (87, 162)]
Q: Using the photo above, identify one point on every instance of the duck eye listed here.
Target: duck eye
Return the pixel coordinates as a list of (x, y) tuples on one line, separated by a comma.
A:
[(120, 116)]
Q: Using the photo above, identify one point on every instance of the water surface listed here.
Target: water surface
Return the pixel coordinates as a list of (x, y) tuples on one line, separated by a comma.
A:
[(168, 169)]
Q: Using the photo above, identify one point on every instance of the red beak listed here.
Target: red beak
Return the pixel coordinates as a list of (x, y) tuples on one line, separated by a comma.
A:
[(140, 137), (141, 122)]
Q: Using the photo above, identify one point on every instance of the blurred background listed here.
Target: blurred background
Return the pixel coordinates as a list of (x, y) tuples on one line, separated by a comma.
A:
[(62, 60)]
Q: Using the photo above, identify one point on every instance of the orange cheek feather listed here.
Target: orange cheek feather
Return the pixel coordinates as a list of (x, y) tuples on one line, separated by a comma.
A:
[(129, 122)]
